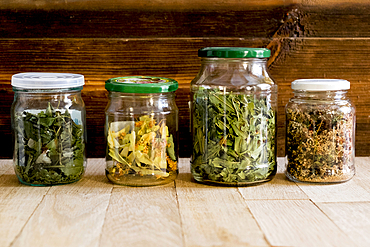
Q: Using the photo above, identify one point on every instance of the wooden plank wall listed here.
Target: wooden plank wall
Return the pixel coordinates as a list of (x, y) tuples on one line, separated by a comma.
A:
[(105, 39)]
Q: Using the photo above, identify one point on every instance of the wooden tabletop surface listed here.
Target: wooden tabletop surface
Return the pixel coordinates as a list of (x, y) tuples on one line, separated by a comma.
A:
[(94, 212)]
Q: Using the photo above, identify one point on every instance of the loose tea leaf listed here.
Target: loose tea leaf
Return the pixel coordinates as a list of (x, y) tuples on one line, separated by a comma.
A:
[(319, 144), (141, 147), (234, 137), (49, 147)]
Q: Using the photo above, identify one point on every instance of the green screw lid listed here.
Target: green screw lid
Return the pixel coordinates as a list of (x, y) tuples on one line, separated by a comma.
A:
[(234, 52), (141, 84)]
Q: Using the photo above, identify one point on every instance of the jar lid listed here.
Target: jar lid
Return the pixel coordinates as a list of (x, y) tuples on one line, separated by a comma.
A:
[(234, 52), (42, 80), (141, 84), (320, 84)]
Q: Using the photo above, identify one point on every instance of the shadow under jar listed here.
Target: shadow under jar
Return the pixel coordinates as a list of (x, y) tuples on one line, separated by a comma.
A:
[(141, 131), (320, 132), (233, 111), (49, 128)]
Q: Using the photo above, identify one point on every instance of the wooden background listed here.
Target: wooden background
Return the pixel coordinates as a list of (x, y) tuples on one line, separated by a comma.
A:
[(105, 39)]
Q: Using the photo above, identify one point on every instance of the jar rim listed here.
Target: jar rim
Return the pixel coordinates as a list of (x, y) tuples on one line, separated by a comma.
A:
[(47, 90), (141, 84), (46, 80), (320, 84), (234, 52)]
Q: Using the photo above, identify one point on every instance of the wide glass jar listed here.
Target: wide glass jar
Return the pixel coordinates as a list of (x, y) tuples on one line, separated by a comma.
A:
[(320, 132), (233, 111), (49, 129), (141, 131)]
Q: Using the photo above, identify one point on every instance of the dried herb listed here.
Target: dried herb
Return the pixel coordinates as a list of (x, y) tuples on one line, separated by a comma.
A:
[(49, 147), (141, 147), (319, 144), (234, 137)]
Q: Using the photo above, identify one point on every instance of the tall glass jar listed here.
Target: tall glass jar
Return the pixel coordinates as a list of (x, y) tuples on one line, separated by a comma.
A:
[(233, 106), (141, 131), (320, 132), (49, 129)]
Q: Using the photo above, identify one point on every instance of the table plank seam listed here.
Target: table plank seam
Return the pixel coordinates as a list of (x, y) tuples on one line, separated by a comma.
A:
[(299, 187), (278, 199), (340, 202), (179, 212), (29, 218), (327, 216), (276, 212), (254, 218), (105, 217)]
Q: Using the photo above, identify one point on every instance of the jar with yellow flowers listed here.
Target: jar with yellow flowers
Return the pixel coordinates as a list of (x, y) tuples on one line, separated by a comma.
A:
[(141, 129)]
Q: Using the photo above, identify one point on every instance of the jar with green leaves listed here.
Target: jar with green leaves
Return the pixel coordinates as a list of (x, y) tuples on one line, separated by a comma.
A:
[(141, 131), (49, 128), (320, 132), (233, 117)]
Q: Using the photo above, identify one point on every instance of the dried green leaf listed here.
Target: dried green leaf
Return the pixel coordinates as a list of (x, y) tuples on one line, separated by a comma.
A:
[(49, 147), (238, 131)]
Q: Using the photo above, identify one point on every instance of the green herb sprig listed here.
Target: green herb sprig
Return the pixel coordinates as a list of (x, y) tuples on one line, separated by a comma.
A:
[(49, 147), (234, 137)]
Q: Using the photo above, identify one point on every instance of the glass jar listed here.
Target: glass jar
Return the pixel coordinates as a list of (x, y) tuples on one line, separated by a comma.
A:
[(320, 132), (233, 111), (141, 131), (49, 130)]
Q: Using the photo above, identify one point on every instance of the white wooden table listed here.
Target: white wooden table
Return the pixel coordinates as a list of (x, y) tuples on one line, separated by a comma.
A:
[(94, 212)]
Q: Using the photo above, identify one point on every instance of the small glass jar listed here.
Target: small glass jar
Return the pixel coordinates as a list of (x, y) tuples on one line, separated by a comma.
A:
[(233, 111), (49, 129), (141, 131), (320, 132)]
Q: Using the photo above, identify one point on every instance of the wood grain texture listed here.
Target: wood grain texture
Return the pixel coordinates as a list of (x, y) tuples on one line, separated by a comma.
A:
[(296, 223), (139, 23), (215, 216), (336, 19), (352, 218), (279, 188), (15, 211), (17, 203), (362, 168), (5, 165), (66, 220), (188, 5), (133, 19), (363, 173), (146, 216), (350, 191), (144, 4), (57, 209), (183, 213)]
